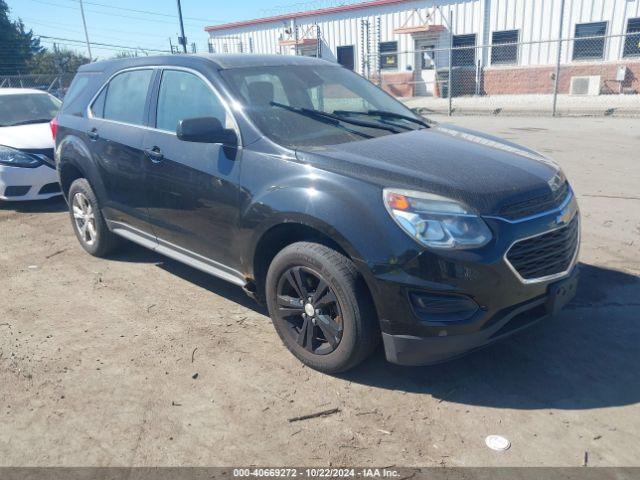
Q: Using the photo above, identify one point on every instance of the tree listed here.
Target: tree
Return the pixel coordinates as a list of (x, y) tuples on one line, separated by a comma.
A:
[(17, 46), (57, 61)]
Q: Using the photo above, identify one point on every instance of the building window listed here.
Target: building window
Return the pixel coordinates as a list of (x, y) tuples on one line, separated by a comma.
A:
[(464, 57), (388, 55), (346, 56), (632, 40), (504, 49), (591, 47)]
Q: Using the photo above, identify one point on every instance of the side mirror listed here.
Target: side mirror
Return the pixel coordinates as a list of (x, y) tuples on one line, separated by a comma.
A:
[(206, 130)]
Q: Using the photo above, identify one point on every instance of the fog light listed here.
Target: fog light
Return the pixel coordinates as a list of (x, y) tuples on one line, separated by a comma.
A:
[(436, 307)]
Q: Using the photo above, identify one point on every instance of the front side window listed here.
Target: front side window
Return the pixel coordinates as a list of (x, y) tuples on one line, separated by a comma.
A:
[(464, 53), (316, 105), (589, 42), (184, 95), (27, 108), (504, 50), (632, 40), (388, 55), (124, 98)]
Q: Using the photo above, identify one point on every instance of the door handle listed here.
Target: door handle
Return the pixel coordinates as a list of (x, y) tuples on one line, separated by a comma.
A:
[(154, 154), (93, 134)]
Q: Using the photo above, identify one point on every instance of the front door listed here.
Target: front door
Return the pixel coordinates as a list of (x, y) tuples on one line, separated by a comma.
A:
[(425, 68), (192, 188)]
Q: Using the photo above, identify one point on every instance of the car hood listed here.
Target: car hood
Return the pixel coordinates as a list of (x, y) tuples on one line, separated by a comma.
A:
[(34, 136), (484, 172)]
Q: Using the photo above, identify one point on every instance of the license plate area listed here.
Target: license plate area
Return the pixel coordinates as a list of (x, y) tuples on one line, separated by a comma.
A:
[(561, 293)]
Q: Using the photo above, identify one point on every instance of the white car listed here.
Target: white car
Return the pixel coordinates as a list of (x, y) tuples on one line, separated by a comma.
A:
[(27, 168)]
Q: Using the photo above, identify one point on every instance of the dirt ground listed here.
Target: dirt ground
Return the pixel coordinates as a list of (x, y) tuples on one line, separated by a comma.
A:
[(98, 357)]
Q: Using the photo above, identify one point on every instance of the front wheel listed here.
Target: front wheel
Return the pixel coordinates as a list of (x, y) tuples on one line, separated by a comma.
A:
[(320, 307)]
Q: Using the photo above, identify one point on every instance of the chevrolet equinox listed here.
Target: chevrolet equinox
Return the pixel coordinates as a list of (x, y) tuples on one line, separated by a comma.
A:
[(322, 196)]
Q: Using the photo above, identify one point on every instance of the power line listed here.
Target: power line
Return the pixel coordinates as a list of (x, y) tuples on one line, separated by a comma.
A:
[(67, 27), (148, 12), (103, 44), (98, 12)]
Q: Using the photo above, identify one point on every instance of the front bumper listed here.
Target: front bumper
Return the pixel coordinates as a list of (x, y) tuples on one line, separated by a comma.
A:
[(19, 184), (466, 299), (411, 350)]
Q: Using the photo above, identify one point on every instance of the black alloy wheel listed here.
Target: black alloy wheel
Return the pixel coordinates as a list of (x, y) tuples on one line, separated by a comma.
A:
[(310, 309)]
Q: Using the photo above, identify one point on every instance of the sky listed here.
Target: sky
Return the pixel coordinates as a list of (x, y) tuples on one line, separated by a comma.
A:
[(143, 24)]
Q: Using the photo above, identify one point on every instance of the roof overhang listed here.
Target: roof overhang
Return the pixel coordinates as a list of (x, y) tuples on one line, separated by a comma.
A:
[(419, 29), (301, 42)]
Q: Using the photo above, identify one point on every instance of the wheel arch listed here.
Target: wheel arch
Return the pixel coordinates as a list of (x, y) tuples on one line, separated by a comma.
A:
[(280, 234), (74, 161)]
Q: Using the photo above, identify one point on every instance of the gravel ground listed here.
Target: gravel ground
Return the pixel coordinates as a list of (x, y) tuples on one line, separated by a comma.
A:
[(138, 360)]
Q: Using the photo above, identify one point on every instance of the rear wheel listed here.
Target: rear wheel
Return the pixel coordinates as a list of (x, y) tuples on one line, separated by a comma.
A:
[(320, 307), (87, 220)]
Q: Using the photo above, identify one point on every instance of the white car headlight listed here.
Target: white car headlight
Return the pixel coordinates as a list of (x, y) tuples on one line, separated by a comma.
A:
[(15, 158), (435, 221)]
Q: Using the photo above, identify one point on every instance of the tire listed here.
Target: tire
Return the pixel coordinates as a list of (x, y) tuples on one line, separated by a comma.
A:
[(338, 328), (95, 237)]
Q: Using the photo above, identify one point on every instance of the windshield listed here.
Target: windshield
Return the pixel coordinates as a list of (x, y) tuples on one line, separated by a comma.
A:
[(317, 105), (27, 108)]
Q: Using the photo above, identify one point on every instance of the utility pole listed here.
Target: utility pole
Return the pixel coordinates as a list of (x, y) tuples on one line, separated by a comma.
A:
[(86, 33), (556, 80), (183, 39)]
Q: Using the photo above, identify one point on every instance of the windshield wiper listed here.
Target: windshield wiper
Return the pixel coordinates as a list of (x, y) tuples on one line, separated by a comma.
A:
[(310, 112), (29, 122), (383, 114)]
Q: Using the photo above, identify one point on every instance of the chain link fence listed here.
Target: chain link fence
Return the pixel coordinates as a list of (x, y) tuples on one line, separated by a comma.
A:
[(56, 84), (582, 75)]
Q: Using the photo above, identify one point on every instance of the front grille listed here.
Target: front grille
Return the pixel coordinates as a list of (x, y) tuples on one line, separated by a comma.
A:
[(535, 205), (546, 254)]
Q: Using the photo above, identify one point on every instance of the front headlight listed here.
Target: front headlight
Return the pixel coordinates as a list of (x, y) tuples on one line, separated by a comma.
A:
[(436, 221), (15, 158)]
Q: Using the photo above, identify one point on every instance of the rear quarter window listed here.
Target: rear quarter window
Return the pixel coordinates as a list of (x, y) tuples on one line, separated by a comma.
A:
[(79, 94)]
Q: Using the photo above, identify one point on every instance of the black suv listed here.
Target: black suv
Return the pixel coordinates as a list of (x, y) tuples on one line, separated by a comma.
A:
[(321, 195)]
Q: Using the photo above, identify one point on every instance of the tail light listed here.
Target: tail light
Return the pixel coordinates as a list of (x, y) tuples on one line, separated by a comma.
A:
[(54, 127)]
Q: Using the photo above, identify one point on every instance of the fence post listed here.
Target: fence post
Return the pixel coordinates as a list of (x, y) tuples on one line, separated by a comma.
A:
[(51, 84), (450, 82), (558, 60)]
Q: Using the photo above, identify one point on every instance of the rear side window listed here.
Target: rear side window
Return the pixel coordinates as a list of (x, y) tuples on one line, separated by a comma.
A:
[(184, 95), (124, 98), (75, 100)]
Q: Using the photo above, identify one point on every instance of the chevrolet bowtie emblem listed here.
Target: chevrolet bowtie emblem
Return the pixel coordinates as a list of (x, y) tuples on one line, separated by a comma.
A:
[(565, 215)]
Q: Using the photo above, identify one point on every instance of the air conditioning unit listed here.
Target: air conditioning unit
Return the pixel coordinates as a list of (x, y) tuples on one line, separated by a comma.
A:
[(587, 85)]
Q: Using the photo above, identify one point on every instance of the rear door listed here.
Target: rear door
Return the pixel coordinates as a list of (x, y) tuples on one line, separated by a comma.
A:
[(192, 188), (117, 126)]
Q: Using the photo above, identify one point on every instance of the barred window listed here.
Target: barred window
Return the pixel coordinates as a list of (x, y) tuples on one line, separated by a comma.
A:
[(632, 40), (504, 48), (464, 57), (388, 55), (589, 48)]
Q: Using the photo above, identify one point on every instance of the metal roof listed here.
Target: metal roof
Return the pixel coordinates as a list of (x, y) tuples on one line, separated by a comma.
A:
[(309, 13)]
